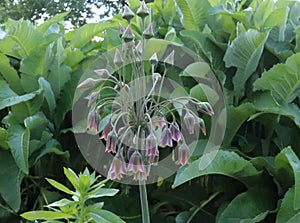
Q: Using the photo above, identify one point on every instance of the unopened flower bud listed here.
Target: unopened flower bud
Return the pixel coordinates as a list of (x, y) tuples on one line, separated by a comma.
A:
[(88, 83), (92, 98), (102, 73), (127, 14), (128, 36), (153, 59), (121, 30), (206, 108), (169, 61), (118, 58), (143, 11), (189, 121), (148, 32)]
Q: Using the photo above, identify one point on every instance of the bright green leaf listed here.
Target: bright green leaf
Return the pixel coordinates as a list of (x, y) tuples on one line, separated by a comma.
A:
[(45, 215), (59, 186), (48, 93), (105, 216), (244, 53), (224, 162), (10, 180)]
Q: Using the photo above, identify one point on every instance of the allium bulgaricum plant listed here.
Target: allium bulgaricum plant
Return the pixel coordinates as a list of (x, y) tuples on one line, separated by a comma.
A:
[(141, 121)]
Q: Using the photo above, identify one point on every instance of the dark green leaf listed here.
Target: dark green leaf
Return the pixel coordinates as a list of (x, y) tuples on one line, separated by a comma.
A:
[(44, 215)]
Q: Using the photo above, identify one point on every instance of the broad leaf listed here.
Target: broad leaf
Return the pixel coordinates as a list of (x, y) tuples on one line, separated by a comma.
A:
[(287, 211), (287, 163), (9, 98), (18, 141), (103, 192), (3, 138), (48, 94), (224, 162), (10, 180), (251, 206), (59, 72), (10, 74), (244, 53), (194, 13), (55, 19), (45, 215), (105, 216), (21, 39), (283, 80)]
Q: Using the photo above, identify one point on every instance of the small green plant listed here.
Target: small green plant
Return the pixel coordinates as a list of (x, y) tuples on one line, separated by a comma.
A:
[(81, 207)]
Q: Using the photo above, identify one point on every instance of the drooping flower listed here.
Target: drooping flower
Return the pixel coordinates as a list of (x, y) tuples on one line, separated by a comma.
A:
[(183, 154), (92, 98), (189, 121), (206, 108), (105, 132), (102, 73), (176, 134), (166, 138), (151, 145), (118, 166), (201, 123), (158, 121), (111, 144), (137, 167), (93, 120)]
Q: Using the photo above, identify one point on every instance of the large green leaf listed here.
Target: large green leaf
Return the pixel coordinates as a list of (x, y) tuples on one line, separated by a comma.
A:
[(45, 215), (55, 19), (48, 94), (287, 163), (3, 138), (59, 72), (194, 13), (80, 37), (21, 39), (224, 163), (10, 180), (244, 53), (286, 211), (9, 98), (262, 12), (18, 141), (10, 74), (105, 216), (283, 80), (251, 206), (236, 116)]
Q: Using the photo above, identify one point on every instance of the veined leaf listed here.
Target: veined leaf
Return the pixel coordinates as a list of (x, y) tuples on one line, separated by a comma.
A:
[(235, 118), (10, 180), (262, 12), (45, 215), (59, 72), (285, 160), (10, 74), (18, 141), (48, 94), (283, 80), (244, 53), (21, 39), (251, 206), (55, 19), (9, 98), (225, 163), (287, 213), (194, 13)]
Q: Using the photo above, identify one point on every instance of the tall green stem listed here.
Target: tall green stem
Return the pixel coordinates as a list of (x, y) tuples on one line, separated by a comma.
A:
[(144, 202)]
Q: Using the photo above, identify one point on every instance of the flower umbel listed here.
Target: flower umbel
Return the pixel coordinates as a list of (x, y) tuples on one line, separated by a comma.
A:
[(139, 121)]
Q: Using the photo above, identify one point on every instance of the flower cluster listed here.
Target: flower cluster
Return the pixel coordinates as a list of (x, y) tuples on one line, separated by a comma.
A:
[(141, 122)]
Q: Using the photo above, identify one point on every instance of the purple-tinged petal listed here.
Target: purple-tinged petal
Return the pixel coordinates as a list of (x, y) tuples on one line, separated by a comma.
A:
[(189, 121), (118, 167), (183, 154), (111, 142), (151, 145), (93, 120), (105, 132), (166, 138), (176, 134)]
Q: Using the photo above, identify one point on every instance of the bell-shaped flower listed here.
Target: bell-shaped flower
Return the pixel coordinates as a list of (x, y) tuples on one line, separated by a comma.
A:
[(166, 138), (183, 154), (93, 120), (206, 108), (105, 132), (92, 98), (176, 134), (200, 122), (189, 121), (151, 145), (137, 167), (111, 143), (158, 121), (118, 167)]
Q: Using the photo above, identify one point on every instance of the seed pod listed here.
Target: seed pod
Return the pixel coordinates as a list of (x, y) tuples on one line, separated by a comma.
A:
[(128, 36), (102, 73), (143, 11), (148, 32), (169, 61), (127, 14), (153, 59), (118, 61)]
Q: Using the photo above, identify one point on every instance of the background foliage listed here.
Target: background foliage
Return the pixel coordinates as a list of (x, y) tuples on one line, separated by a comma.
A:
[(253, 48)]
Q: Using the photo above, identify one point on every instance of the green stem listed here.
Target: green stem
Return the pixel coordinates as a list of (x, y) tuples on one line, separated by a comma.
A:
[(144, 202)]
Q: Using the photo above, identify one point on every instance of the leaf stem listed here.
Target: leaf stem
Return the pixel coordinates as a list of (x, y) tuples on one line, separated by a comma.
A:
[(144, 202)]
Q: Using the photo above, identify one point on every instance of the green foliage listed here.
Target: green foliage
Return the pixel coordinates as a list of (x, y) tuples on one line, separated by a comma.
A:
[(87, 188)]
